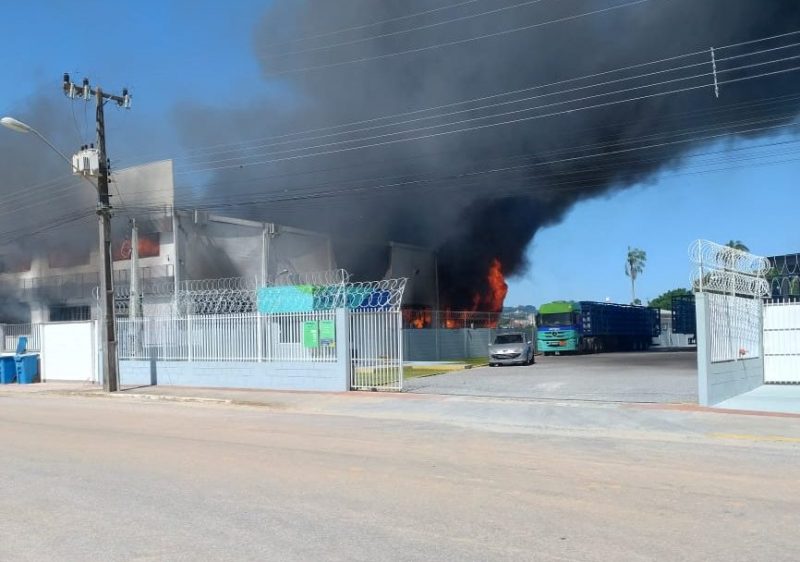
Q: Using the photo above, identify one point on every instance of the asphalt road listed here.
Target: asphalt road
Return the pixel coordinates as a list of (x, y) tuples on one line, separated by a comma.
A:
[(660, 377), (106, 479)]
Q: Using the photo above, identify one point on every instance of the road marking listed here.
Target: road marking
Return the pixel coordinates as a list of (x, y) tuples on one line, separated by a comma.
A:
[(761, 438)]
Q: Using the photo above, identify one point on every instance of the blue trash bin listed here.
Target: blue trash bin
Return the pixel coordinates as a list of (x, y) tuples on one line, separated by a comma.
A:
[(27, 368), (8, 369)]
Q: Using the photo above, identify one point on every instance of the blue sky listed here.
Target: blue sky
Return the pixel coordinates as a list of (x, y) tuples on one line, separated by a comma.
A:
[(583, 258), (168, 52)]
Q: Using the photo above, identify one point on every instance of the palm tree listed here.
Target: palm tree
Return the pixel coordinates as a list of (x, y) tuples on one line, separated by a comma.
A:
[(729, 260), (634, 266), (737, 245)]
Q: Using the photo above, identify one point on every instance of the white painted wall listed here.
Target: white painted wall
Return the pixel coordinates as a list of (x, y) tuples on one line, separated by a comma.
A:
[(68, 352)]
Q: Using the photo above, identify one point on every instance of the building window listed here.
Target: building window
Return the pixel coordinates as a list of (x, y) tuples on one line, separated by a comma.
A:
[(70, 313)]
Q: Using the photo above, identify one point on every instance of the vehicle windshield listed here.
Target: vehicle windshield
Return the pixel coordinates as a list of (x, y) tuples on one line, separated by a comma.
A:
[(508, 338), (557, 319)]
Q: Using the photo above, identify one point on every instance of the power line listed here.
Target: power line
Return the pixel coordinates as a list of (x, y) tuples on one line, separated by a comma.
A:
[(649, 137), (463, 41), (498, 104), (413, 29), (606, 145), (501, 123), (271, 198), (51, 195), (554, 187), (703, 52), (373, 24)]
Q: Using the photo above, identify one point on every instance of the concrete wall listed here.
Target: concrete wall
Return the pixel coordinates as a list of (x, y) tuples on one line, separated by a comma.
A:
[(321, 377), (721, 380)]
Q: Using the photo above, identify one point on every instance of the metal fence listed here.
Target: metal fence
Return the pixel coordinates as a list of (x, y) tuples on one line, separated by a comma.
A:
[(734, 330), (233, 337), (376, 349), (734, 284), (12, 332)]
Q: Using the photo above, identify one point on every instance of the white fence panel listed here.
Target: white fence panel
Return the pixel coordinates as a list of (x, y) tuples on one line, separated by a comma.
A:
[(735, 330), (223, 338), (12, 333), (376, 344), (782, 342), (236, 337), (162, 338)]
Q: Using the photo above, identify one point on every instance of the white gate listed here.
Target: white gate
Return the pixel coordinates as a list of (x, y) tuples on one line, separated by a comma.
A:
[(376, 350), (782, 342)]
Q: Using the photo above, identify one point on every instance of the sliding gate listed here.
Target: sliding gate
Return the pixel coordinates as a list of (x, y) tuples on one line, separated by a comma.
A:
[(782, 342)]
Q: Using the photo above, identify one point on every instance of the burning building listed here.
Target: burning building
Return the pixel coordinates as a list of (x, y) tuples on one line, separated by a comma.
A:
[(467, 132), (56, 279), (449, 128)]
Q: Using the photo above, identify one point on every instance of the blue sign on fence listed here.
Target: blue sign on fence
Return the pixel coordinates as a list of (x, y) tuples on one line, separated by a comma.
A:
[(308, 298), (291, 298)]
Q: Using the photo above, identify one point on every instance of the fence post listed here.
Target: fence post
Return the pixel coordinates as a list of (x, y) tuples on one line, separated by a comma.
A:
[(260, 330), (703, 348), (343, 352), (399, 316), (761, 350), (437, 319), (190, 350)]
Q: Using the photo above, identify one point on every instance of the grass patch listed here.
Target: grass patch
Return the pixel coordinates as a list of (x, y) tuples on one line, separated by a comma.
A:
[(412, 372), (367, 376), (475, 361)]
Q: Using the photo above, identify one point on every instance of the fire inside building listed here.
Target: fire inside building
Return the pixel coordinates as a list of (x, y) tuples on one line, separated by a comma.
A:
[(55, 279)]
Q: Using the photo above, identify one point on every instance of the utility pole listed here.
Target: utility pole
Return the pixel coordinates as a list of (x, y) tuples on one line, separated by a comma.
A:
[(104, 211)]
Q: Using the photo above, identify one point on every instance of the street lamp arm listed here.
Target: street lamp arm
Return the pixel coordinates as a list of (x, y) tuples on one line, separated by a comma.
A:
[(20, 127), (57, 151), (63, 157)]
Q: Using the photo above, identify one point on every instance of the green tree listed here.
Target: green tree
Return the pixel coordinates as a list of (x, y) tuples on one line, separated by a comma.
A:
[(634, 266), (794, 287), (664, 300), (737, 245)]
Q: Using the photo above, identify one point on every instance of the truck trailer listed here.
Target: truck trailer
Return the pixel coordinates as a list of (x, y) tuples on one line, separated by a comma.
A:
[(595, 327)]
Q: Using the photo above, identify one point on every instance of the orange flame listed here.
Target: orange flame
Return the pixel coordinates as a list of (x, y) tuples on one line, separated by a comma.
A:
[(449, 321), (417, 319), (498, 288)]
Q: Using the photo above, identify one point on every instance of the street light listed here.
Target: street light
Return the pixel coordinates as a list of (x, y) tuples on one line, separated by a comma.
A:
[(20, 127)]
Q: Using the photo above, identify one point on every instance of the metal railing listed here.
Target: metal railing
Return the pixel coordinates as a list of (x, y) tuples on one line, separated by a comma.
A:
[(376, 349), (234, 337), (12, 332), (734, 327)]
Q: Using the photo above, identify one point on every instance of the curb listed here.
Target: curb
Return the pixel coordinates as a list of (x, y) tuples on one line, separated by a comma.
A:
[(168, 398)]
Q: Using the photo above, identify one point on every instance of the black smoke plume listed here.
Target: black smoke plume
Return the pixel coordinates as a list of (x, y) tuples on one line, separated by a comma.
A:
[(436, 191)]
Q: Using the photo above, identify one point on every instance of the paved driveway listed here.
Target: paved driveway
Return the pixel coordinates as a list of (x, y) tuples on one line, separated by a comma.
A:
[(625, 377)]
